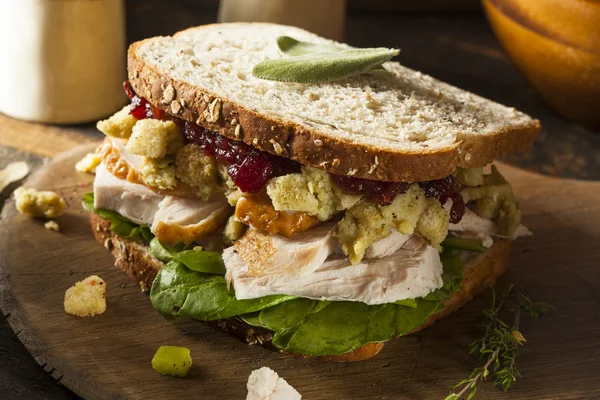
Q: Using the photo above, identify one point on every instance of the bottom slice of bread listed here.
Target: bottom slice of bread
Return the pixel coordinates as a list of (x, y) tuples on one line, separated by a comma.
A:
[(133, 257)]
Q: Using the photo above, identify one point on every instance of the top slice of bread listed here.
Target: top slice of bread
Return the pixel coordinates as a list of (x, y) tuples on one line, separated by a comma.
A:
[(401, 126)]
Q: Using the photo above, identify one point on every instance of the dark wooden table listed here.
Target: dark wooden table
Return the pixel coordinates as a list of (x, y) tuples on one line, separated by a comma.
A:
[(456, 47)]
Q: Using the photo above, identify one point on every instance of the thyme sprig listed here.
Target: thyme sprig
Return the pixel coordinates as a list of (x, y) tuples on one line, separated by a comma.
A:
[(500, 344)]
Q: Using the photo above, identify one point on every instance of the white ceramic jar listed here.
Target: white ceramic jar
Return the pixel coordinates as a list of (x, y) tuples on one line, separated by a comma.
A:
[(62, 61)]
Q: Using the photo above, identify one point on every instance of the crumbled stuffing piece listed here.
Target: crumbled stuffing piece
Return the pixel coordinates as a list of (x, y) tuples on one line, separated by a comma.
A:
[(39, 204), (198, 170), (233, 230), (88, 163), (367, 222), (234, 196), (433, 223), (120, 125), (86, 298), (154, 138), (494, 200), (159, 173), (52, 226), (312, 191), (469, 176)]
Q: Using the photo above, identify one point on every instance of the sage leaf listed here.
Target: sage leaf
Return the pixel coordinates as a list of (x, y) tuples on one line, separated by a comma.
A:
[(293, 47), (323, 67)]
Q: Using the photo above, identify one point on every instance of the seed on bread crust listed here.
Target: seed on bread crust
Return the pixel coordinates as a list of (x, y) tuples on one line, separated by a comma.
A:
[(214, 111), (168, 94)]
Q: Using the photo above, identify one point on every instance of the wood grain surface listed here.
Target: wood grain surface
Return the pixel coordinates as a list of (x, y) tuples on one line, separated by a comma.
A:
[(456, 47), (108, 357)]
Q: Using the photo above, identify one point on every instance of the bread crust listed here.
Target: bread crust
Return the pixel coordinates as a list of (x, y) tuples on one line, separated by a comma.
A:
[(133, 258), (309, 146)]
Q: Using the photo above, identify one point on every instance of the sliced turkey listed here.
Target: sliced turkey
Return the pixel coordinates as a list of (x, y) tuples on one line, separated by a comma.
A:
[(412, 271), (172, 219), (135, 202), (267, 254)]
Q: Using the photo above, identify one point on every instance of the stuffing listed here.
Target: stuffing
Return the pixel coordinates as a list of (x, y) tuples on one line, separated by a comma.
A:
[(86, 298), (120, 125), (469, 176), (234, 197), (52, 226), (233, 230), (367, 222), (198, 170), (433, 223), (154, 138), (88, 163), (312, 191), (39, 204), (159, 173), (494, 200), (509, 217)]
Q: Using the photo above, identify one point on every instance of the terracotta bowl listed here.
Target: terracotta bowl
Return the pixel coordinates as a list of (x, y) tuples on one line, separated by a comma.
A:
[(556, 44)]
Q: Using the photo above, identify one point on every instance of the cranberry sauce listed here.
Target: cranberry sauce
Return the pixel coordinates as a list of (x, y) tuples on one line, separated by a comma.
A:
[(250, 168), (140, 107), (383, 192), (444, 189)]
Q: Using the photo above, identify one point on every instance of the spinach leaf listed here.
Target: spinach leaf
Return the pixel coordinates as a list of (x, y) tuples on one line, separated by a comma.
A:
[(180, 292), (118, 224), (208, 262)]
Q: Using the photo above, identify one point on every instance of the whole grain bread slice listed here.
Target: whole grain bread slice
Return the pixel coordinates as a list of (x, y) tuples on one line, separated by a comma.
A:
[(133, 258), (396, 126)]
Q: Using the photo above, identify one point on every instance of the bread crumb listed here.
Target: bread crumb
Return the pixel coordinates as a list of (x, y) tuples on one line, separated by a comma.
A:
[(154, 138), (469, 176), (88, 163), (52, 226), (120, 125), (367, 222), (198, 170), (312, 191), (159, 173), (42, 204), (86, 298)]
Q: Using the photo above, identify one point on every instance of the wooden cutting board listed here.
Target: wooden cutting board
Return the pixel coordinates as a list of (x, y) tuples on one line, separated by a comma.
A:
[(108, 357)]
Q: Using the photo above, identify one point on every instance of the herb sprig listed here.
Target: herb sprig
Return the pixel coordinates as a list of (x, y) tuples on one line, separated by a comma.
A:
[(501, 343), (306, 62)]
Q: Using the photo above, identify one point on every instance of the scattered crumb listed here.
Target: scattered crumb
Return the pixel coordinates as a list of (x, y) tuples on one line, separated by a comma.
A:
[(119, 125), (13, 172), (265, 384), (159, 173), (86, 298), (42, 204), (52, 226), (88, 163), (154, 138)]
